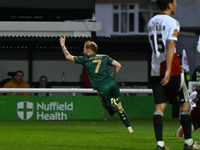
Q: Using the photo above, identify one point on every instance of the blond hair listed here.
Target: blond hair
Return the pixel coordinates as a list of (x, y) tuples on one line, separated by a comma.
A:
[(92, 45)]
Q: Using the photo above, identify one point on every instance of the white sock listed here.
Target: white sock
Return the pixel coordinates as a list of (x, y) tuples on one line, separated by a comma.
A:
[(189, 142), (129, 127), (161, 143)]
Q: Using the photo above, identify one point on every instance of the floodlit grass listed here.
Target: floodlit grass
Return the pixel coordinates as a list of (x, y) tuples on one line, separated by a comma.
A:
[(86, 135)]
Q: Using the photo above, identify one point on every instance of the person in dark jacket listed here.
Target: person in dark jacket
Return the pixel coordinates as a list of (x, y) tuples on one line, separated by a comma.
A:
[(43, 84)]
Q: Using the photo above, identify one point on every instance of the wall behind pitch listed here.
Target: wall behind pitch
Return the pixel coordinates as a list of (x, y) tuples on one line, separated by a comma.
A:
[(131, 70), (191, 11), (54, 70)]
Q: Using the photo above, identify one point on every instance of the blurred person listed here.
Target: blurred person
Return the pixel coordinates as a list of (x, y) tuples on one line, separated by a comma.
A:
[(43, 83), (198, 43), (133, 87), (175, 106), (196, 74), (17, 82), (4, 81), (87, 84), (195, 112), (167, 79), (96, 66)]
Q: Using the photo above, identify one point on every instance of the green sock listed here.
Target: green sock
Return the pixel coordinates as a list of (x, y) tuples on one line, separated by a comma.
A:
[(124, 117)]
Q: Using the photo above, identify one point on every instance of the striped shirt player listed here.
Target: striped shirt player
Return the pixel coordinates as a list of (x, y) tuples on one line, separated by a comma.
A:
[(167, 78), (96, 66), (162, 28)]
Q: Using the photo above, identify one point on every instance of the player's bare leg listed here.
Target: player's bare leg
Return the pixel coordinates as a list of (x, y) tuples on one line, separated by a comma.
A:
[(180, 132)]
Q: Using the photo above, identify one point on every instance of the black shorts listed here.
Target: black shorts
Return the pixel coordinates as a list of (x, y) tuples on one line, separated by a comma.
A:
[(172, 92), (195, 122)]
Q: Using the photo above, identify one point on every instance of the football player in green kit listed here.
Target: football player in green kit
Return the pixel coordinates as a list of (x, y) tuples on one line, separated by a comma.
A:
[(96, 66)]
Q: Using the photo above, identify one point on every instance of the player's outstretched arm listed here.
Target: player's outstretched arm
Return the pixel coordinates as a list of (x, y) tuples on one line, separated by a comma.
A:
[(64, 49), (117, 66)]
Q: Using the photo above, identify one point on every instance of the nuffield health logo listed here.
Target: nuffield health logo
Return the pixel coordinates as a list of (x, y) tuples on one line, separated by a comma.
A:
[(25, 110)]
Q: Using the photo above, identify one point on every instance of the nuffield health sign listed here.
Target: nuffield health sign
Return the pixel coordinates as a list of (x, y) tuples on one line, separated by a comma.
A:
[(53, 110), (25, 110), (61, 107), (50, 107), (44, 110)]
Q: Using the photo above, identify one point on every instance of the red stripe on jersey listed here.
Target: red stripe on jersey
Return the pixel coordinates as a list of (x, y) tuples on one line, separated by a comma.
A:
[(176, 67)]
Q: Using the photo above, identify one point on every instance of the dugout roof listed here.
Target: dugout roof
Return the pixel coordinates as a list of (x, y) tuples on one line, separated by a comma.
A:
[(46, 10)]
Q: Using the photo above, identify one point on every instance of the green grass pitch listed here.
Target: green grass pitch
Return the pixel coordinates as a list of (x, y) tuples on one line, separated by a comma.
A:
[(87, 135)]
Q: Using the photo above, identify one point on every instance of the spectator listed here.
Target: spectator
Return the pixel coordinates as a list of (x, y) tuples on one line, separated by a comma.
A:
[(43, 84), (17, 82), (4, 81), (198, 43), (86, 79), (87, 84), (133, 87), (196, 74)]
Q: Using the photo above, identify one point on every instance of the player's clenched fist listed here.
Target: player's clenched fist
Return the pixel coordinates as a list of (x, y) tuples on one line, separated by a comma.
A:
[(62, 40)]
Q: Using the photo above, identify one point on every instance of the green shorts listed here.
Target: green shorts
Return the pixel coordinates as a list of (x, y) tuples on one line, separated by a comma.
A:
[(108, 90)]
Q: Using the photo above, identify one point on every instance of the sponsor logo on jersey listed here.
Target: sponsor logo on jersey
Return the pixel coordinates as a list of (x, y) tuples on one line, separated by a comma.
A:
[(175, 33)]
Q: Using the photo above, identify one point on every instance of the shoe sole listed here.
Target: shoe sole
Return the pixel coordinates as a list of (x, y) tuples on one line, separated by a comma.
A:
[(114, 105)]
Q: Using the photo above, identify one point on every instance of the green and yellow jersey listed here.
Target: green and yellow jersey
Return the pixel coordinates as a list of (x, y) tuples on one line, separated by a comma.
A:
[(96, 66)]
